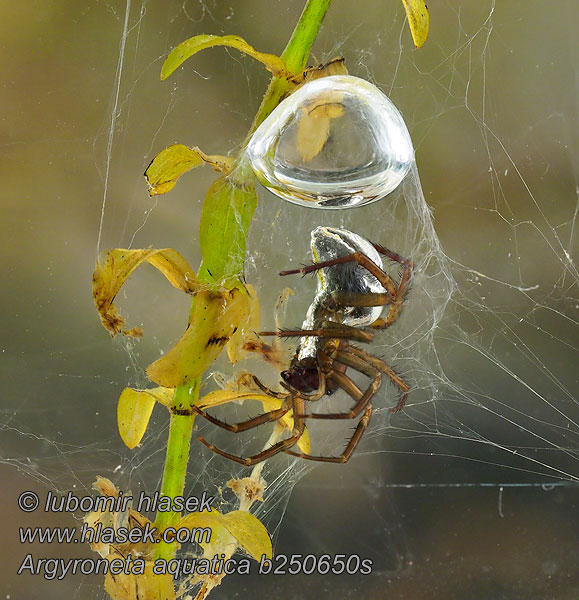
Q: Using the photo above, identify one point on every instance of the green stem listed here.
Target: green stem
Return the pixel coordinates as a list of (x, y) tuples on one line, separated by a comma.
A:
[(180, 430), (295, 56), (300, 44)]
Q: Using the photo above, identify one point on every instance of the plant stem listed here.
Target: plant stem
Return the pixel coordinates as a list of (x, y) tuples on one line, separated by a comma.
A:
[(295, 56), (180, 430), (300, 44)]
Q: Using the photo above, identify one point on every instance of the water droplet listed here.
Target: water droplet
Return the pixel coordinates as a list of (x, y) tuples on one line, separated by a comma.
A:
[(337, 142)]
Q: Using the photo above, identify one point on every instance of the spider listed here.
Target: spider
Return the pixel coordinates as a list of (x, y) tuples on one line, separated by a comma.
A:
[(353, 290)]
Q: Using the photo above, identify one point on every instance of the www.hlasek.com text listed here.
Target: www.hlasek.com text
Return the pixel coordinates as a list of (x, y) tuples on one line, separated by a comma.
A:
[(92, 534)]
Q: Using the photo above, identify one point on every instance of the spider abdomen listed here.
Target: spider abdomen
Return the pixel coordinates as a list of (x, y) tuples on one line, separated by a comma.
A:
[(329, 243)]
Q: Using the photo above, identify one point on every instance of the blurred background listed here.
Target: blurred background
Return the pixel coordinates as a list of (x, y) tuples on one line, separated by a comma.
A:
[(471, 492)]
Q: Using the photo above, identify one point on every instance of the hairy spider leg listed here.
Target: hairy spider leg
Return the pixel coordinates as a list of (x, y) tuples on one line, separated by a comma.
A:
[(396, 295), (396, 305), (345, 456), (393, 255), (298, 430), (362, 403), (328, 329), (383, 277), (362, 399), (388, 371), (309, 397), (272, 415), (268, 391)]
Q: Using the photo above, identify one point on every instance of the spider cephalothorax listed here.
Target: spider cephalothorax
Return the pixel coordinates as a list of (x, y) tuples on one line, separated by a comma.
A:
[(303, 376), (353, 290)]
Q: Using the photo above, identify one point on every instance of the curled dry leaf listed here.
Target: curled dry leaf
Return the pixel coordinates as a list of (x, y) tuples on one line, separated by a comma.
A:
[(189, 47), (242, 381), (276, 353), (116, 266), (336, 66), (134, 585), (125, 517), (315, 121), (273, 353), (172, 162), (247, 489), (315, 124)]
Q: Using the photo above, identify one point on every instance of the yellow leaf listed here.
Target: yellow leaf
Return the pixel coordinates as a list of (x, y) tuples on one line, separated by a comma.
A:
[(116, 266), (172, 162), (215, 317), (248, 530), (221, 542), (418, 20), (162, 395), (188, 48), (314, 126), (248, 326), (220, 397), (148, 586), (134, 411), (200, 519), (315, 121)]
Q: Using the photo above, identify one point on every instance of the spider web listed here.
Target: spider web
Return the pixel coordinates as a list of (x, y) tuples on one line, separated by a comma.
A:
[(487, 338)]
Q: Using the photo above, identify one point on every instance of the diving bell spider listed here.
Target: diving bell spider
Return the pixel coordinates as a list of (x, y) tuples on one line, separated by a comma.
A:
[(353, 290)]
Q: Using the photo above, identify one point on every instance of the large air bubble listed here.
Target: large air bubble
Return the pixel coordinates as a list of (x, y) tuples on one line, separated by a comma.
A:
[(337, 142)]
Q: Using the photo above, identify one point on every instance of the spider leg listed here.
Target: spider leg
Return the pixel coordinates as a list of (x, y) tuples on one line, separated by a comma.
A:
[(256, 458), (272, 415), (358, 257), (393, 256), (328, 329), (388, 371), (309, 397), (362, 398), (268, 391), (344, 457), (299, 426), (396, 305), (362, 403), (395, 296), (355, 361)]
